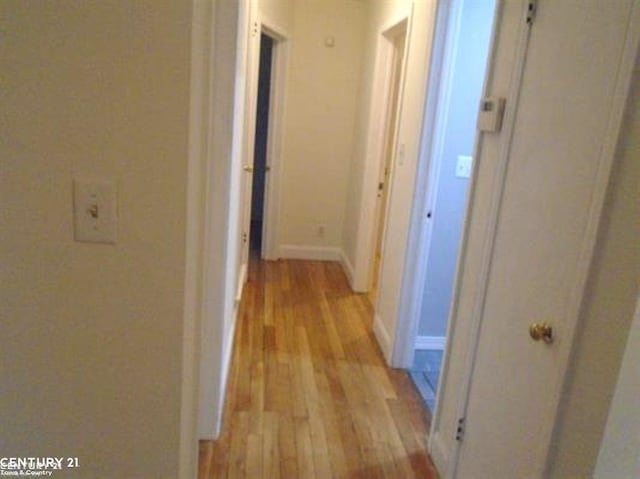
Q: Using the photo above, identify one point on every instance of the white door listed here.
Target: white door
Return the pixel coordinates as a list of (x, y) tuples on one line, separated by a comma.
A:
[(253, 57), (398, 42), (566, 121)]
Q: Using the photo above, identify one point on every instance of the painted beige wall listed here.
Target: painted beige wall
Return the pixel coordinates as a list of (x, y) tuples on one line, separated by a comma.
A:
[(278, 12), (320, 112), (611, 299), (91, 361)]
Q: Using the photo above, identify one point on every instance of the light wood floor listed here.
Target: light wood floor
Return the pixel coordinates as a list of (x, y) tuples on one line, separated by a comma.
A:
[(309, 394)]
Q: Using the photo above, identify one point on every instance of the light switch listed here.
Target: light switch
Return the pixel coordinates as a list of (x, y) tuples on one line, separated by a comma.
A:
[(94, 204), (463, 167)]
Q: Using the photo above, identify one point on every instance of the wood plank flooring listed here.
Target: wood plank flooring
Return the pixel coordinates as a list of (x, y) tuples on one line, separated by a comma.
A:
[(309, 394)]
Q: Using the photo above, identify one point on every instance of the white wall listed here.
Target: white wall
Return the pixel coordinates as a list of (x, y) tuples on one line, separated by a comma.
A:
[(91, 360), (320, 108)]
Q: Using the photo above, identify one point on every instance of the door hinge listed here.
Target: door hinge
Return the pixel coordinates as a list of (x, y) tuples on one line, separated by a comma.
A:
[(244, 237), (532, 6), (460, 429), (254, 29)]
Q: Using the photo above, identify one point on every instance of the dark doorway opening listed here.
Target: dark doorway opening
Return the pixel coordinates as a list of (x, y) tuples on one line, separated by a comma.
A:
[(260, 167)]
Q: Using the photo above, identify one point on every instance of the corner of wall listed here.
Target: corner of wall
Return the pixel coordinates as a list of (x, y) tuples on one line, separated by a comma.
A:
[(347, 268), (383, 337)]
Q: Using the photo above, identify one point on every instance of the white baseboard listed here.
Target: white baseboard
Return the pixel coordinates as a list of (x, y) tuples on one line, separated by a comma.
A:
[(437, 453), (242, 279), (347, 267), (317, 253), (226, 364), (225, 369), (382, 335), (357, 285), (430, 342)]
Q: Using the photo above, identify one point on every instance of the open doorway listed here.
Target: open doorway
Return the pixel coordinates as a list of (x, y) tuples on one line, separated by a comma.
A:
[(465, 29), (395, 38), (261, 212), (260, 164)]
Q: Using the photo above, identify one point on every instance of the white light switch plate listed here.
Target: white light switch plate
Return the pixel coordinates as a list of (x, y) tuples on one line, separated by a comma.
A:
[(94, 205), (463, 167)]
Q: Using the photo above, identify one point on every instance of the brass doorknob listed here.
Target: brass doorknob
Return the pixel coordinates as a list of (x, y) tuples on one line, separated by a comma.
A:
[(541, 331), (248, 168)]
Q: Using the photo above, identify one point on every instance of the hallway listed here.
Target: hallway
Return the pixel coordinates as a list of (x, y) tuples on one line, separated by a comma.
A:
[(309, 394)]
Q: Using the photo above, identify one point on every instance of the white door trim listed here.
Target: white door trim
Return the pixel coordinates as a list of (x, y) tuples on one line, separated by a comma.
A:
[(365, 238), (388, 142), (213, 180), (203, 25), (271, 207), (249, 79), (490, 234), (427, 173), (273, 179)]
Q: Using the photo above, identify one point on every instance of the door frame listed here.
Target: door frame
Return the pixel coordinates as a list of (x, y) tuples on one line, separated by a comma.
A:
[(275, 129), (447, 462), (448, 17), (388, 144), (216, 119), (436, 444), (361, 274), (271, 206)]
